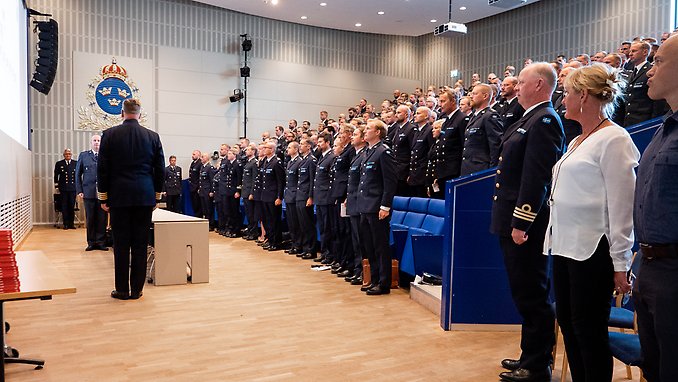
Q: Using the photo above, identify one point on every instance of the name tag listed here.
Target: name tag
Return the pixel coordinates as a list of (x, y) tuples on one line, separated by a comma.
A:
[(419, 140), (521, 131), (473, 130), (302, 170), (638, 85), (269, 170)]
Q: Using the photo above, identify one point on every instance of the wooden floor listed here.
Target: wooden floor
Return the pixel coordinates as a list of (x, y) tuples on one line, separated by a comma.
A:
[(263, 317)]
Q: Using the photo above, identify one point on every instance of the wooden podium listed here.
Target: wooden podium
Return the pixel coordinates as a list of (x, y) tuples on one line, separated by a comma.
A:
[(180, 241)]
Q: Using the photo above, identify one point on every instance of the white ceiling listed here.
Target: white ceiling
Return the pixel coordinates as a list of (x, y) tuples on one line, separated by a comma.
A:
[(401, 17)]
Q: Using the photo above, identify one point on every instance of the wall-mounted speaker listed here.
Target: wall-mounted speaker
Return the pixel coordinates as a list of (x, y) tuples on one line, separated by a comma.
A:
[(48, 55)]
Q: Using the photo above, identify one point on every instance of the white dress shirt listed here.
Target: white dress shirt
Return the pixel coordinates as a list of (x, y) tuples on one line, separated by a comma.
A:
[(592, 196)]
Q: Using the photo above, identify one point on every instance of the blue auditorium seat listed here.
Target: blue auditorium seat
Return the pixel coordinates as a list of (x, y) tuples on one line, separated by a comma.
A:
[(625, 347), (414, 217), (423, 250)]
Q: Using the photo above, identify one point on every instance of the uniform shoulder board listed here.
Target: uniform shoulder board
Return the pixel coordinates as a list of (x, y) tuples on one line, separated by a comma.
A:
[(495, 115), (546, 120)]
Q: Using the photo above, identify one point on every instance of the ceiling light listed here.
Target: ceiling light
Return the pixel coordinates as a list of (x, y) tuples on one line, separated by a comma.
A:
[(304, 17), (323, 4), (433, 20), (358, 24), (274, 2), (380, 12), (462, 8)]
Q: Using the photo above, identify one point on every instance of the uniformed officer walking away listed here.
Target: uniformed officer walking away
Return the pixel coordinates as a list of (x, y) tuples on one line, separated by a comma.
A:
[(272, 194), (64, 182), (291, 184), (375, 196), (422, 140), (638, 106), (172, 187), (322, 198), (206, 190), (130, 177), (655, 292), (520, 214), (304, 200), (249, 176), (96, 219), (194, 182), (483, 133), (353, 183)]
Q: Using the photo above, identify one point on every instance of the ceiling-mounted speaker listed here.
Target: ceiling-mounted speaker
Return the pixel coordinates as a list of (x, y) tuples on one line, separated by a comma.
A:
[(48, 55)]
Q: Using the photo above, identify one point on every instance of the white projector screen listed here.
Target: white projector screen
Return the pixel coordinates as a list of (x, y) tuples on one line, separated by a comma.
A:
[(14, 70)]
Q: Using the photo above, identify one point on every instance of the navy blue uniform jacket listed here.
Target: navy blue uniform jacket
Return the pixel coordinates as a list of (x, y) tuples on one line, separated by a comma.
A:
[(86, 175), (306, 178), (529, 150), (131, 166), (272, 180), (64, 175), (377, 180)]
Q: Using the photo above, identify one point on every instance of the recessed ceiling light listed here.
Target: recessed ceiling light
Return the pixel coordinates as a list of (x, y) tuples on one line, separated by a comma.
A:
[(380, 12), (358, 24), (433, 20), (274, 2), (462, 8), (323, 4), (304, 17)]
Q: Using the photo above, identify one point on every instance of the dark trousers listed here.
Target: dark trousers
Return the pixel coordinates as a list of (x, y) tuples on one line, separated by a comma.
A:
[(293, 225), (196, 204), (418, 191), (342, 246), (232, 211), (403, 189), (583, 290), (272, 223), (131, 226), (259, 215), (441, 188), (251, 219), (374, 235), (307, 228), (325, 223), (222, 216), (526, 268), (655, 295), (207, 209), (358, 251), (68, 208), (172, 202), (95, 221)]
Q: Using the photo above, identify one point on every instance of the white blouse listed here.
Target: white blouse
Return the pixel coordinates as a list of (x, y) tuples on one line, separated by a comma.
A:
[(592, 195)]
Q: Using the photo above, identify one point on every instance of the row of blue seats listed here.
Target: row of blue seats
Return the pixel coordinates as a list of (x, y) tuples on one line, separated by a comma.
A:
[(417, 226)]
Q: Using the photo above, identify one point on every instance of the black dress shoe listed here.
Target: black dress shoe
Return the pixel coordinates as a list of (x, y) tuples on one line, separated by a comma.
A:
[(302, 254), (326, 261), (293, 251), (524, 375), (266, 246), (345, 273), (273, 248), (135, 296), (319, 259), (90, 248), (102, 248), (378, 290), (367, 287), (119, 295), (510, 364), (350, 278), (357, 281)]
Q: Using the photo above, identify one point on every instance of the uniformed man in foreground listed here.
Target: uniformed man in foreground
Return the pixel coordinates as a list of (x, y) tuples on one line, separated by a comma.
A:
[(64, 183), (520, 215), (375, 196), (86, 186), (655, 292), (130, 178), (173, 185)]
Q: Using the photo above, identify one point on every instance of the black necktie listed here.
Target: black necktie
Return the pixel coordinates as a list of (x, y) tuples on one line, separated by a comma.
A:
[(96, 156)]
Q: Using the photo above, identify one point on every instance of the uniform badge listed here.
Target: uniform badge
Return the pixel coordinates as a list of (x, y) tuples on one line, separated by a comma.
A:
[(521, 131), (546, 120)]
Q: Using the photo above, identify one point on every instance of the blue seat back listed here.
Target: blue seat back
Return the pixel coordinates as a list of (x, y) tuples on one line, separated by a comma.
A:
[(400, 203), (433, 224), (413, 219), (436, 207), (419, 205), (397, 217)]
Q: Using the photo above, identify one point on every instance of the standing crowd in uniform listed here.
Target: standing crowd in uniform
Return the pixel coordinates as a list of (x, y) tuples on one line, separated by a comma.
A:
[(565, 185)]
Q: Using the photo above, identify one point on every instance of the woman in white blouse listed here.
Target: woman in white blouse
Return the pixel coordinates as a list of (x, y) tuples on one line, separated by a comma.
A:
[(591, 229)]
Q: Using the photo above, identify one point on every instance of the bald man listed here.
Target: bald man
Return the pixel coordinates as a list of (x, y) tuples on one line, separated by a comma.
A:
[(483, 133), (655, 218), (510, 110), (520, 215), (86, 187)]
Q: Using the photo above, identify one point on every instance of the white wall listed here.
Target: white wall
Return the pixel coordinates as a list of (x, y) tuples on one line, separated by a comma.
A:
[(14, 171), (194, 112)]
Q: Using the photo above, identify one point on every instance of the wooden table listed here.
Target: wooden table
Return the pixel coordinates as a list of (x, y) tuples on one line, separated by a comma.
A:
[(38, 279), (180, 240)]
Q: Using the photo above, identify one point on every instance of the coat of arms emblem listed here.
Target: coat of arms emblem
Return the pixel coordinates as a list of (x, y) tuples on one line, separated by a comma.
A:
[(105, 95)]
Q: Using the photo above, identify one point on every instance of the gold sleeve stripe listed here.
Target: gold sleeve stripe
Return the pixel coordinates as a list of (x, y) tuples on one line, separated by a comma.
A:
[(524, 212), (522, 216), (102, 195), (158, 195)]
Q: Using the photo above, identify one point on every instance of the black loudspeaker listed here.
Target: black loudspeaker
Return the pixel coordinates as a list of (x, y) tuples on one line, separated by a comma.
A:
[(245, 71), (48, 56), (246, 45)]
